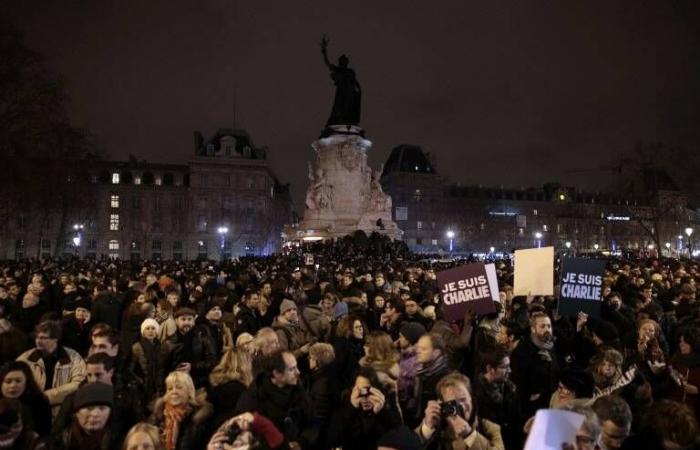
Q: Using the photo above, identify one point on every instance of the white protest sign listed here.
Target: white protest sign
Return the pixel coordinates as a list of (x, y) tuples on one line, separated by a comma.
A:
[(552, 428), (534, 271)]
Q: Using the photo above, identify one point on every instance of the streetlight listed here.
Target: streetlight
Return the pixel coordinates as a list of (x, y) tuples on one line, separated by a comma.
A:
[(567, 244), (538, 236), (596, 247), (688, 232), (450, 235), (222, 233), (492, 249), (77, 239)]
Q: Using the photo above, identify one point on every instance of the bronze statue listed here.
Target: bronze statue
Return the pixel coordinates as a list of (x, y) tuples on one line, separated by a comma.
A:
[(348, 94)]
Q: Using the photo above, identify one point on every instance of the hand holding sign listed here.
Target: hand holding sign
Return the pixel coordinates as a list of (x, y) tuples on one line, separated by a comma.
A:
[(467, 288)]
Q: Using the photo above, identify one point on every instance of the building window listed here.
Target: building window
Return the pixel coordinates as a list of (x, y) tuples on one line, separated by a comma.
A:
[(156, 203), (544, 227), (136, 202), (202, 223), (92, 244), (419, 241), (156, 245), (21, 222), (114, 202), (157, 223), (114, 222), (417, 195), (19, 249), (419, 225), (159, 181), (534, 212), (115, 178), (137, 180), (434, 242), (45, 248)]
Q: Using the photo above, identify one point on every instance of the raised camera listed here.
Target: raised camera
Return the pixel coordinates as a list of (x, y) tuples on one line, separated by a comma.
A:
[(364, 392), (232, 433), (451, 408)]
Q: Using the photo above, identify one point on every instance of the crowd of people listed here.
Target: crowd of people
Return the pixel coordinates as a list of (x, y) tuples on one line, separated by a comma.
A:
[(336, 345)]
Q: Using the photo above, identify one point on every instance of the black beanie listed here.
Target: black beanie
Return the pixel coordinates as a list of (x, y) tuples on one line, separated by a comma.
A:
[(93, 394), (412, 331)]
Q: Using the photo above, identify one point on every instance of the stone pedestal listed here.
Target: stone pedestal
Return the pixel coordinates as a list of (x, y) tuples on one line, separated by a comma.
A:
[(344, 194)]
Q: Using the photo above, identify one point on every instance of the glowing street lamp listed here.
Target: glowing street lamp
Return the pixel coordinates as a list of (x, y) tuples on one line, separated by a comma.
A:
[(567, 244), (450, 235), (596, 247), (492, 249), (222, 234), (78, 238), (688, 231), (538, 236)]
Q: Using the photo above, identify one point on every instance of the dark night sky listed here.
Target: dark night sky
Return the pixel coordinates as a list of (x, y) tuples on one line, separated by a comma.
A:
[(501, 92)]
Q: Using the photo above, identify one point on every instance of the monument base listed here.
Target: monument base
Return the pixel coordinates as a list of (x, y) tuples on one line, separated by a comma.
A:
[(344, 194)]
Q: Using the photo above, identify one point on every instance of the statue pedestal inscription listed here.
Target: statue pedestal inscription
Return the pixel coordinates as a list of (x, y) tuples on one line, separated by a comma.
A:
[(344, 194)]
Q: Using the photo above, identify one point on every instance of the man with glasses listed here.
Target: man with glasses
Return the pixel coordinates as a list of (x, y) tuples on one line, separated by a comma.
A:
[(496, 396), (57, 370)]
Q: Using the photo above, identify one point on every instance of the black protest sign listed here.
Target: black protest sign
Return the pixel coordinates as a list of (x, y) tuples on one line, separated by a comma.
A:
[(581, 286), (466, 287)]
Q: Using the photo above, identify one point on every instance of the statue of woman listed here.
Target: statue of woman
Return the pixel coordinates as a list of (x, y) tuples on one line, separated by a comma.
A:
[(348, 94)]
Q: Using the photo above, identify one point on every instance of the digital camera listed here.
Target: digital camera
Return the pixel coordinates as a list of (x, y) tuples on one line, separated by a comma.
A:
[(451, 408)]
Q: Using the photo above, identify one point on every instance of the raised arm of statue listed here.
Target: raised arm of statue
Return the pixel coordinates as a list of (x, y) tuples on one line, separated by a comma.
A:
[(324, 51)]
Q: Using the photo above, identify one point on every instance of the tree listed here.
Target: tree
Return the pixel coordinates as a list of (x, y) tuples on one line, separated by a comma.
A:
[(45, 158)]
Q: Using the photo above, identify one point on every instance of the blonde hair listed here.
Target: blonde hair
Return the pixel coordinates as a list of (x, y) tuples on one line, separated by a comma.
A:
[(186, 380), (147, 428), (323, 353), (235, 364)]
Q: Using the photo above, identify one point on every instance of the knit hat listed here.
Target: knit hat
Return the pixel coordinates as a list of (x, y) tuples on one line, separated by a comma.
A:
[(93, 394), (215, 301), (287, 305), (412, 331), (401, 438), (184, 312), (340, 310), (605, 330), (150, 322)]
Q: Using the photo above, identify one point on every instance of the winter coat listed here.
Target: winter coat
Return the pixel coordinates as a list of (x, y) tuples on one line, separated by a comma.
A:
[(314, 323), (195, 429), (408, 366), (224, 398), (356, 429), (247, 321), (488, 437), (69, 372), (348, 352), (63, 441), (196, 348), (107, 309), (324, 392), (499, 403), (76, 336), (167, 329), (144, 365), (534, 374), (289, 408), (291, 336)]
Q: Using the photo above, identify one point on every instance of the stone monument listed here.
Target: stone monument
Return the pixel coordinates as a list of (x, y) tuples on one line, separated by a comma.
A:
[(344, 194)]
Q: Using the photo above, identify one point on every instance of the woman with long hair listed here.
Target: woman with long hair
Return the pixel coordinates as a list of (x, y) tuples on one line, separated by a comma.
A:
[(348, 345), (180, 415), (686, 363), (382, 356), (142, 436), (17, 382), (228, 380)]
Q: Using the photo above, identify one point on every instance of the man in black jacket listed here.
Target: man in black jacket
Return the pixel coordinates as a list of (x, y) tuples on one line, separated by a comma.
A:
[(277, 395), (191, 349), (535, 365), (248, 316), (496, 396)]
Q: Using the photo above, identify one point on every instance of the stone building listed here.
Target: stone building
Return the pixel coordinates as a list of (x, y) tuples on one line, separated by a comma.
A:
[(225, 201), (426, 207)]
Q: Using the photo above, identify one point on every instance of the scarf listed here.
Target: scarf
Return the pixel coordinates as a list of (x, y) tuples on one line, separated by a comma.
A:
[(541, 344), (433, 367), (162, 316), (173, 418)]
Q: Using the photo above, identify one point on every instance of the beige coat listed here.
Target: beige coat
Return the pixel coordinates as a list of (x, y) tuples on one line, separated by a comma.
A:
[(70, 371)]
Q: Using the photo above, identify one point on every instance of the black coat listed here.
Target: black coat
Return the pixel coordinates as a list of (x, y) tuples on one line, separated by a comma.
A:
[(289, 408), (224, 398), (107, 309), (500, 404), (196, 347), (348, 352), (247, 321), (534, 373), (76, 336), (356, 429)]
